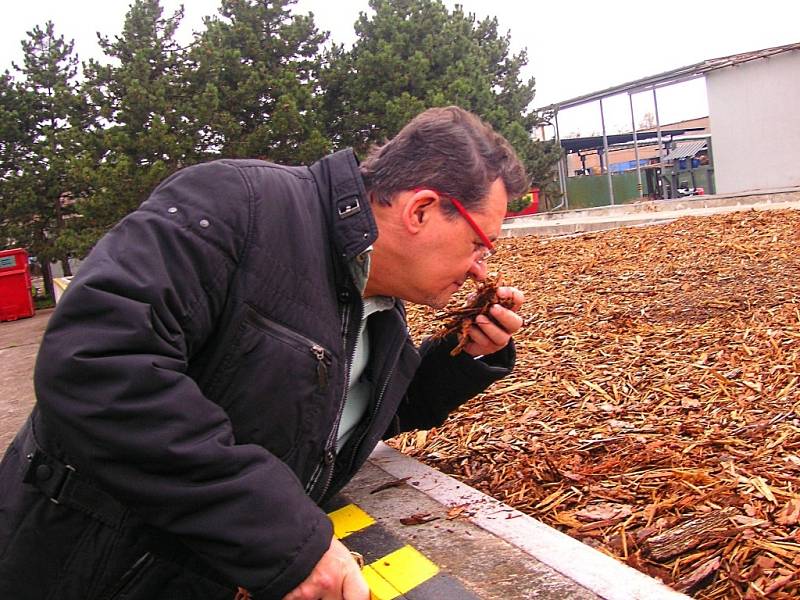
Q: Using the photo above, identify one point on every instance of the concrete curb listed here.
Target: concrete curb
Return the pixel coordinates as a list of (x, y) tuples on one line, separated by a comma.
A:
[(741, 199), (593, 570)]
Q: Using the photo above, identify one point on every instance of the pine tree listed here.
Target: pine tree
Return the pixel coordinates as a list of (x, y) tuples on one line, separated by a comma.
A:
[(41, 118), (414, 54), (255, 67), (146, 125)]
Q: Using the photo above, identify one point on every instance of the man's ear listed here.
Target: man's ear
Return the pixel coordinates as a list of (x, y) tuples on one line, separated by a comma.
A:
[(418, 209)]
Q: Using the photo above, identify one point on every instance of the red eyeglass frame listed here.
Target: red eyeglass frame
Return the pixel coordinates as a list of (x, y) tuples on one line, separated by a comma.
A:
[(468, 217)]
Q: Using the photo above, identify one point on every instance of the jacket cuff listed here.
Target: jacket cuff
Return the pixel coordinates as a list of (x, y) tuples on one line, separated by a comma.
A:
[(449, 381), (307, 555), (501, 362)]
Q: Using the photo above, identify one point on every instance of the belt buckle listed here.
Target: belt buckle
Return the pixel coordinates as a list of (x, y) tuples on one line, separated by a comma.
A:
[(61, 483), (48, 475)]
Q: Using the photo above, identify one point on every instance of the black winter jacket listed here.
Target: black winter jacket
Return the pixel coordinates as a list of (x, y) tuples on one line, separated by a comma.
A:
[(189, 387)]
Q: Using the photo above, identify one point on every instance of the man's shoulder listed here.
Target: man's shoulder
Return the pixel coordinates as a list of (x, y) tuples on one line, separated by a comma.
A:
[(246, 167), (265, 166), (342, 160)]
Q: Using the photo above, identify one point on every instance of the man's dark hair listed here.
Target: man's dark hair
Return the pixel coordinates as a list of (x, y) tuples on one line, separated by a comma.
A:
[(449, 150)]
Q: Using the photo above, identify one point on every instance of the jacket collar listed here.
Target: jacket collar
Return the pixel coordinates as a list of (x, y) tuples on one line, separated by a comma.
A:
[(342, 193)]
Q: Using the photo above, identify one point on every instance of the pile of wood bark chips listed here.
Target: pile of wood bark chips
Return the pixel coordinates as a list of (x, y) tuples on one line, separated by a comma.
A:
[(654, 412)]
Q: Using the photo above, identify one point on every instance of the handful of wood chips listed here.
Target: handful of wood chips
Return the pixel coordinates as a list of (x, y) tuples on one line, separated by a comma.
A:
[(460, 320)]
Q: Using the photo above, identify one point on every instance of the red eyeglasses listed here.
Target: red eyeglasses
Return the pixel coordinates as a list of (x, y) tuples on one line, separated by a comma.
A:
[(488, 246)]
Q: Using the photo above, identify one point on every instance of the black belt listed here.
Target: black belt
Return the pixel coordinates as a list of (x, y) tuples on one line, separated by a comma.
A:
[(61, 483)]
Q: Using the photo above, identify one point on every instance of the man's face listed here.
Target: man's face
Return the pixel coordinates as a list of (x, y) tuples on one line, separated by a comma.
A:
[(453, 250)]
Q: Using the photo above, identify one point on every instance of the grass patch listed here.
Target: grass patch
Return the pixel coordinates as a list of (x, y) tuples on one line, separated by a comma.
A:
[(42, 302)]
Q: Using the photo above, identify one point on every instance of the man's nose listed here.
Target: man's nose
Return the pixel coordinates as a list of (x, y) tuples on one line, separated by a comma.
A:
[(478, 270)]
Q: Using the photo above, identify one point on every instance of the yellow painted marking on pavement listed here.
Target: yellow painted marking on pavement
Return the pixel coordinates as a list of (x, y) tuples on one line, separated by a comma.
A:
[(349, 519), (392, 575), (405, 568), (379, 588)]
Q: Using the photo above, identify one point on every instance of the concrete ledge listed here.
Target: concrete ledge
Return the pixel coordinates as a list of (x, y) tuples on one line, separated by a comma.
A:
[(485, 565), (711, 201), (570, 228), (593, 570)]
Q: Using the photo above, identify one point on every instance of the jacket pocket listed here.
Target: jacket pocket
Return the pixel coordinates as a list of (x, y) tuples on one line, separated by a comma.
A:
[(151, 577), (132, 578), (273, 383)]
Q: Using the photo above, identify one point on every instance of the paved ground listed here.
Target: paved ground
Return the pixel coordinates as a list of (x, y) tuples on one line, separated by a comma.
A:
[(478, 563), (19, 343)]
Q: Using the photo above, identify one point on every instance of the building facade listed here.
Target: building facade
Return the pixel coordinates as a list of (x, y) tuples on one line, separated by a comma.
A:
[(755, 123)]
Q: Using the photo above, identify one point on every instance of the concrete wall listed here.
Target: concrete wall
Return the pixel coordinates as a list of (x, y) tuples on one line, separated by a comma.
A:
[(755, 123)]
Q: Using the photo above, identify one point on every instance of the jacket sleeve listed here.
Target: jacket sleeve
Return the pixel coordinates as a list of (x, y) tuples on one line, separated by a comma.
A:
[(443, 382), (111, 382)]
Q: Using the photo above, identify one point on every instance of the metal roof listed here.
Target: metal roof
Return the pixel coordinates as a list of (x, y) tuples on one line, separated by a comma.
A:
[(674, 76), (596, 142), (686, 149)]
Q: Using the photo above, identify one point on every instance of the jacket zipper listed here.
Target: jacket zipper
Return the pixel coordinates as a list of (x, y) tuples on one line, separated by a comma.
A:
[(135, 571), (329, 457), (377, 406), (322, 368), (296, 340)]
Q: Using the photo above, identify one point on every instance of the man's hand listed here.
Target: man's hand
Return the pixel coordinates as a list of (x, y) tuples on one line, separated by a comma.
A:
[(487, 336), (336, 577)]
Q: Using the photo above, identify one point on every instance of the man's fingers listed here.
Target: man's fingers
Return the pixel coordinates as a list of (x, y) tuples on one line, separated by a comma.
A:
[(492, 332), (354, 586), (335, 577), (487, 332), (507, 319), (515, 294)]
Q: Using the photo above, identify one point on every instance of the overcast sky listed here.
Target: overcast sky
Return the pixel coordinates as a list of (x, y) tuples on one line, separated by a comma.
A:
[(574, 47)]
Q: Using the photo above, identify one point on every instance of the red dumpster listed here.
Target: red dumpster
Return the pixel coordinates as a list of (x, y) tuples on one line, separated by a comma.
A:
[(531, 209), (16, 301)]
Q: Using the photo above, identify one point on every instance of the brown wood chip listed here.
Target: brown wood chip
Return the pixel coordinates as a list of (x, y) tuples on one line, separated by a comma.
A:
[(389, 484), (418, 519), (658, 370)]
